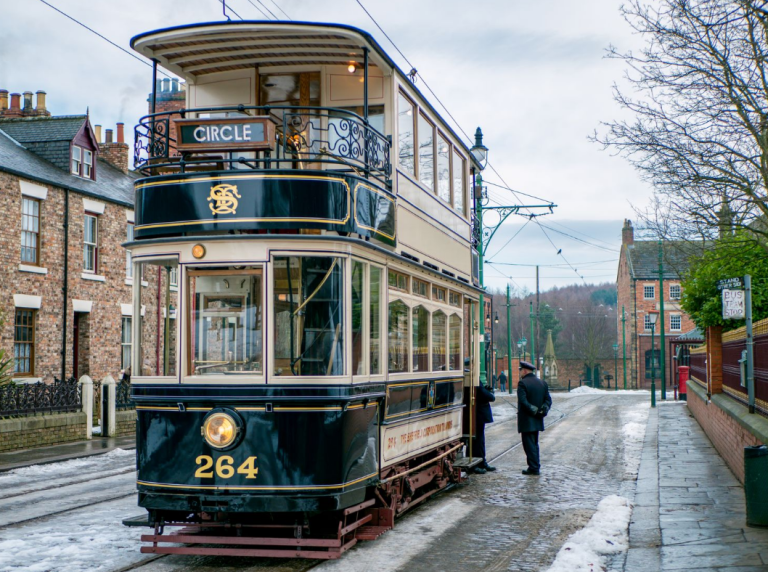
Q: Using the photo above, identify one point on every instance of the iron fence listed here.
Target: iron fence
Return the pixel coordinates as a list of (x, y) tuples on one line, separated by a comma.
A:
[(123, 395), (321, 138), (19, 400)]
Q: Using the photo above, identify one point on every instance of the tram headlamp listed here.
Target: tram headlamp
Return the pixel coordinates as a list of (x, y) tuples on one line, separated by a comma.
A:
[(198, 251), (220, 430)]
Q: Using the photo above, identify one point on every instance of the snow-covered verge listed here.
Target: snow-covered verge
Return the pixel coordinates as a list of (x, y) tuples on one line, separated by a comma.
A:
[(594, 391), (606, 533)]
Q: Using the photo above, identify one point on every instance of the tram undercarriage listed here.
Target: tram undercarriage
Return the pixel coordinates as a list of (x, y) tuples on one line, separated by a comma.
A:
[(317, 535)]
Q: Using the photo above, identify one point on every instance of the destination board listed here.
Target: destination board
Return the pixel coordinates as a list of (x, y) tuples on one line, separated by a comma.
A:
[(225, 134)]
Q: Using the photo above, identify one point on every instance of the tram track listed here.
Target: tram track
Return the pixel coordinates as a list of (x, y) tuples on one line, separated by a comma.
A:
[(61, 483)]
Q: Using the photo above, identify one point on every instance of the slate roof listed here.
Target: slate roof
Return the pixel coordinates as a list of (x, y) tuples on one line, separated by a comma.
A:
[(694, 335), (111, 185), (41, 129), (643, 258)]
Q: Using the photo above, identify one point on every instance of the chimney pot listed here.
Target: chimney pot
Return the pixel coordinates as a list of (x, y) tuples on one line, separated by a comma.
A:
[(97, 131), (40, 101), (627, 233), (16, 101), (174, 85), (108, 137), (121, 133), (28, 101), (166, 85), (3, 100)]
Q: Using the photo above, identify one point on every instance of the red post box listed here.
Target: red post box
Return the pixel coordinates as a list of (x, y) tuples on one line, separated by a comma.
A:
[(683, 373)]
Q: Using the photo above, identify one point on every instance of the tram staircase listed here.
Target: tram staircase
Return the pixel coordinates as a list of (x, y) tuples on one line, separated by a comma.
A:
[(316, 316)]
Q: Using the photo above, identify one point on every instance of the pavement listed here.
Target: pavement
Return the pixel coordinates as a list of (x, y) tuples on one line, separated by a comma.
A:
[(689, 511), (63, 452)]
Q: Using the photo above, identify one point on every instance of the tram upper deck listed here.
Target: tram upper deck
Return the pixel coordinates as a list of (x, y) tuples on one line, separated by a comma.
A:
[(305, 129)]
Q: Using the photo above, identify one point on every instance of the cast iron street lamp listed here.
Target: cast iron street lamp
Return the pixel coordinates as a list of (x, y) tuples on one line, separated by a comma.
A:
[(616, 367), (652, 317)]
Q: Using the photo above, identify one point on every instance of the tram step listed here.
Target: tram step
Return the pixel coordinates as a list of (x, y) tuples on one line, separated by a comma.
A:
[(467, 462), (371, 532)]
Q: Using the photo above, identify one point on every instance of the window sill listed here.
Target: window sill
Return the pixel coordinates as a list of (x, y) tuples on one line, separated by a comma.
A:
[(32, 269), (144, 283), (129, 281), (92, 277), (174, 288)]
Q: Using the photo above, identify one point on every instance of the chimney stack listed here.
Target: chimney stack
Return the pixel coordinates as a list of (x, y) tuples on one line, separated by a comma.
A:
[(114, 152), (40, 109), (3, 100), (108, 136), (97, 131), (627, 233), (15, 109), (121, 133), (166, 85), (28, 108)]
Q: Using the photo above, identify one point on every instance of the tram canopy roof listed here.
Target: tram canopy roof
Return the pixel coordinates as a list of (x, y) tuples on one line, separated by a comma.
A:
[(199, 49)]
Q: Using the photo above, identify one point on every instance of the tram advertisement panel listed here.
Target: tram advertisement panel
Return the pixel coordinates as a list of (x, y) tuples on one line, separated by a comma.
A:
[(404, 440)]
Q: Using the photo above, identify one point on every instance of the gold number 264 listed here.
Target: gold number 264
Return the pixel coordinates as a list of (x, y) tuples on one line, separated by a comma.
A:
[(225, 467)]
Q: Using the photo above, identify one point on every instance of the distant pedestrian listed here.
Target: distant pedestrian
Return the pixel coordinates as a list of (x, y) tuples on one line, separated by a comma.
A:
[(484, 415), (493, 382), (533, 404), (503, 380)]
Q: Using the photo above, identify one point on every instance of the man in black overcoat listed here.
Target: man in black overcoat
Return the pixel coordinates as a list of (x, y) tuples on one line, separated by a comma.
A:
[(483, 401), (533, 404), (503, 380)]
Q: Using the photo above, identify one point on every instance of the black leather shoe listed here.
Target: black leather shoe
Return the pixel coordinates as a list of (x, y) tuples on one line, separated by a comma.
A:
[(479, 470), (489, 468), (530, 472)]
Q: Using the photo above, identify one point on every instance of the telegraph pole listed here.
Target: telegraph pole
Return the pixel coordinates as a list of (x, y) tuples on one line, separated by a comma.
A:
[(509, 346), (537, 317), (624, 344), (533, 341), (663, 369)]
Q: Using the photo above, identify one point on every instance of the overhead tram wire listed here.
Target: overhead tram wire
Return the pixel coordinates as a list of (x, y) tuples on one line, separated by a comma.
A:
[(260, 10), (511, 239), (122, 49), (279, 8), (581, 240), (227, 7), (581, 233), (551, 265)]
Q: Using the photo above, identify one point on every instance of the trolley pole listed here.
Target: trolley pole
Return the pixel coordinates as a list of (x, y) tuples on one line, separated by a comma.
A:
[(509, 346), (663, 367), (624, 345)]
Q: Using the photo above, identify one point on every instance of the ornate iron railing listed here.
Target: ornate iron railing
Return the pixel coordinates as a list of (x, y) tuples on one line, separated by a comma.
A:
[(24, 399), (320, 138), (123, 395)]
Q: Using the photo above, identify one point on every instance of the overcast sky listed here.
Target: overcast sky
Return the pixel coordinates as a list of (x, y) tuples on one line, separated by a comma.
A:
[(531, 74)]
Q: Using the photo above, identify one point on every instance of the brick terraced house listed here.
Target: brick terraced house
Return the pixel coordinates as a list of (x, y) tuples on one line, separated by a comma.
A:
[(638, 293), (67, 203)]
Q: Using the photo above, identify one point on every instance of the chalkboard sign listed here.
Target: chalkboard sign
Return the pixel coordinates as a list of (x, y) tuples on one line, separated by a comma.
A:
[(225, 134)]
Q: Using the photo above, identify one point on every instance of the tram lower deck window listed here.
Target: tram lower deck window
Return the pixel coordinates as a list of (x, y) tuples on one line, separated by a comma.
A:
[(157, 329), (225, 326), (308, 316)]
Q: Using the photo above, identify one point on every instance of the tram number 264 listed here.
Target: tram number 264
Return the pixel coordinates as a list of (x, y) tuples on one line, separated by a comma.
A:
[(225, 467)]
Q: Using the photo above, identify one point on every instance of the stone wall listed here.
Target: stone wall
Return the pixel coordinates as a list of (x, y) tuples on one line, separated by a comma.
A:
[(728, 425), (28, 432), (125, 423)]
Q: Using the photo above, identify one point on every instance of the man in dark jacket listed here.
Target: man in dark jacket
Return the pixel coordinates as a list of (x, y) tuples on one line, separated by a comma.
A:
[(503, 380), (484, 415), (533, 404)]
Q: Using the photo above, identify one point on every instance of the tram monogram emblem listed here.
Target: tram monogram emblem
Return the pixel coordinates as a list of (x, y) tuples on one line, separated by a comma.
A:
[(223, 199)]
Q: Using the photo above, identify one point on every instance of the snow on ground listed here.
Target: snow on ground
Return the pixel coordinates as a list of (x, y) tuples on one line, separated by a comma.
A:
[(90, 539), (605, 533), (117, 458), (635, 421), (584, 389)]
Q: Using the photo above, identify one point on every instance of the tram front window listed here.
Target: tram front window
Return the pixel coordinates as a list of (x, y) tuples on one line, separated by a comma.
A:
[(225, 321), (156, 326), (309, 316)]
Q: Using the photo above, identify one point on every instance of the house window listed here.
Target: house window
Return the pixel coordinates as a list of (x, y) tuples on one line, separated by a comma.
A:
[(647, 323), (90, 243), (128, 256), (674, 291), (30, 230), (675, 322), (405, 149), (24, 342), (77, 160), (174, 277), (87, 163), (125, 343), (426, 153), (652, 363), (649, 292)]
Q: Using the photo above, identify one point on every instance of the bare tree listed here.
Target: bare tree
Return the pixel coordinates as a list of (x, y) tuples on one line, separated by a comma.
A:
[(700, 103), (593, 332)]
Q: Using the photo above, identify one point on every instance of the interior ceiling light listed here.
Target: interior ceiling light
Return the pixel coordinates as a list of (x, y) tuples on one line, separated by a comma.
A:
[(351, 67)]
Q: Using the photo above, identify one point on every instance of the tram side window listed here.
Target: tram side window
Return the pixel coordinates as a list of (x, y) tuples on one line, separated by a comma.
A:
[(358, 281), (438, 341), (426, 153), (375, 320), (405, 147), (420, 325), (398, 337), (443, 169), (454, 343), (158, 331), (308, 316), (225, 321), (459, 190)]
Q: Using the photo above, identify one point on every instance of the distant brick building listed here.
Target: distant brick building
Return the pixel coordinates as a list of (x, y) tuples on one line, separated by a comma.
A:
[(638, 293), (67, 200)]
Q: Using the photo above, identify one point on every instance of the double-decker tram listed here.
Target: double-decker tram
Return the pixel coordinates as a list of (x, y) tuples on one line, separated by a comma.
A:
[(305, 307)]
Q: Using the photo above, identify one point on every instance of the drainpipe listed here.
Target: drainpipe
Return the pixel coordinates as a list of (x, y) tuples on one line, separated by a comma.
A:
[(65, 289)]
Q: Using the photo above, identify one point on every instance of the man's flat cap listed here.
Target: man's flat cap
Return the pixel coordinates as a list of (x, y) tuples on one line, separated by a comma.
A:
[(527, 365)]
